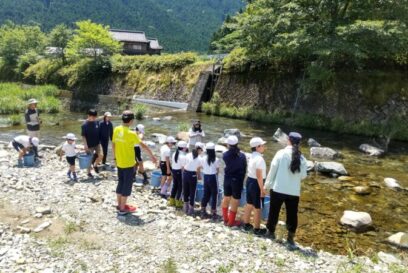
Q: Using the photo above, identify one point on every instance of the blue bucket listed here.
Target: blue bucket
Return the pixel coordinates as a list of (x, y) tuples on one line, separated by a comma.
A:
[(85, 161), (242, 201), (28, 160), (199, 192), (265, 208), (155, 180)]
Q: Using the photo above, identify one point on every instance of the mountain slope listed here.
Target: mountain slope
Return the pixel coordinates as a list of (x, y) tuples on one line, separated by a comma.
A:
[(179, 24)]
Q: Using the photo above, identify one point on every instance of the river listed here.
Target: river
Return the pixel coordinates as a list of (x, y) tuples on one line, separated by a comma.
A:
[(323, 199)]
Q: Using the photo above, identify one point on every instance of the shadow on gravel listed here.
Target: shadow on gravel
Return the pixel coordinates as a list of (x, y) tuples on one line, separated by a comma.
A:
[(130, 220)]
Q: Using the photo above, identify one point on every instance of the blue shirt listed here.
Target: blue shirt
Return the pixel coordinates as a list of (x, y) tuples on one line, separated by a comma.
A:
[(105, 131), (235, 165), (90, 130)]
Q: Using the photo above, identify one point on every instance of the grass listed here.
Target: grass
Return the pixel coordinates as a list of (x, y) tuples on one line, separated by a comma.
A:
[(140, 111), (57, 245), (14, 97), (183, 127), (15, 120), (169, 266), (280, 262), (224, 268), (71, 227)]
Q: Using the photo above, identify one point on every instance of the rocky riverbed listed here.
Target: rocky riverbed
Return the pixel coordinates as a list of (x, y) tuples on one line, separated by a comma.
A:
[(48, 224)]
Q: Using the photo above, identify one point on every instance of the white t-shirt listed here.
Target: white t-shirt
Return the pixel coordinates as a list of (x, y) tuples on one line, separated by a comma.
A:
[(69, 149), (164, 152), (192, 164), (23, 140), (181, 161), (256, 161), (195, 136), (210, 169)]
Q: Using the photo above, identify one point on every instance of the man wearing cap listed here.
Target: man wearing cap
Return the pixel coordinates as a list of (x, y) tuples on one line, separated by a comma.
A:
[(288, 168), (234, 175), (123, 143), (22, 143), (32, 118), (165, 166), (106, 133), (255, 187), (91, 139)]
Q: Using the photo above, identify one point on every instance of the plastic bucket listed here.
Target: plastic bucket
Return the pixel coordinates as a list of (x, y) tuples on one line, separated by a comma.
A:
[(28, 160), (242, 201), (265, 208), (85, 161), (155, 179), (199, 192)]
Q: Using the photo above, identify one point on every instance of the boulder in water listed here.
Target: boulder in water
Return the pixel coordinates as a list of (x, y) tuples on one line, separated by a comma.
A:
[(232, 132), (399, 239), (160, 138), (330, 168), (281, 137), (362, 190), (313, 143), (371, 150), (323, 153), (167, 118), (357, 220), (183, 136), (310, 165), (392, 183)]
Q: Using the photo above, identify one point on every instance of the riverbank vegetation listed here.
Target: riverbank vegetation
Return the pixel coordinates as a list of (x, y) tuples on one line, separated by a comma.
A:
[(14, 97)]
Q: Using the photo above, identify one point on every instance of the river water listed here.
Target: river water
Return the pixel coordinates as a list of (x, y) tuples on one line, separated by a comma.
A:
[(323, 199)]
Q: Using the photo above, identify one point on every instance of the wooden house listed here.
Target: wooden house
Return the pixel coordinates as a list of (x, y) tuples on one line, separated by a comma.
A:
[(136, 42)]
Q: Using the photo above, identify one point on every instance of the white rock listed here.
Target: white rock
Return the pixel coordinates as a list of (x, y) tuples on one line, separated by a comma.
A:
[(330, 167), (388, 258), (399, 239), (313, 143), (42, 226), (43, 210), (160, 138), (371, 150), (356, 219), (220, 149), (156, 119), (149, 143), (324, 153), (281, 137), (167, 118), (392, 183)]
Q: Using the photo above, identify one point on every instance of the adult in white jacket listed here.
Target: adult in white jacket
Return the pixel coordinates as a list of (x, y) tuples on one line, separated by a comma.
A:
[(288, 168)]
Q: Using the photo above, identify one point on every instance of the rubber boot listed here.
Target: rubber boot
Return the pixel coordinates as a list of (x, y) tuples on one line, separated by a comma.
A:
[(145, 179), (231, 219), (185, 207), (225, 215), (69, 174), (190, 210), (179, 204), (204, 214), (172, 202)]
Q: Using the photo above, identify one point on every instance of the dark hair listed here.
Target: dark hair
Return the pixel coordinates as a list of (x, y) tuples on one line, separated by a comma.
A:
[(127, 116), (234, 149), (195, 152), (92, 112), (253, 149), (195, 128), (176, 155), (104, 118), (210, 156), (296, 154)]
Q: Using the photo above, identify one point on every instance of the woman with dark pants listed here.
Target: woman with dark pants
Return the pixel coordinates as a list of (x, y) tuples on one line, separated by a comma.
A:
[(106, 133), (288, 168)]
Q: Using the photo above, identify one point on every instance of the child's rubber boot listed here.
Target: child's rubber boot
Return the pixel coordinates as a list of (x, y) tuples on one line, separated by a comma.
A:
[(225, 215), (172, 202), (231, 219), (20, 163), (69, 174), (179, 204)]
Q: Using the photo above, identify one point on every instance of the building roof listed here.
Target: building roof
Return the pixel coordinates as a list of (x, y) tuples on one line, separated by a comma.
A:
[(154, 43), (129, 36)]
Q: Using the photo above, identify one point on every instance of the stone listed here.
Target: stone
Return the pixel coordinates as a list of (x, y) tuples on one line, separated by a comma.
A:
[(167, 118), (399, 239), (280, 137), (357, 220), (149, 165), (323, 153), (160, 138), (222, 141), (313, 143), (388, 258), (183, 136), (156, 119), (331, 167), (3, 153), (371, 150), (43, 210), (392, 183), (362, 190), (42, 226), (149, 143), (310, 165), (23, 230), (345, 178), (232, 132)]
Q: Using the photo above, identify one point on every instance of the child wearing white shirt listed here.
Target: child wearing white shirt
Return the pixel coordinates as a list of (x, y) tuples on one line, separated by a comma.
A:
[(70, 154), (190, 175), (178, 161)]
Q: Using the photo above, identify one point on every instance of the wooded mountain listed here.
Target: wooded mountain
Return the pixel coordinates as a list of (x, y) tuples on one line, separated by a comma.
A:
[(178, 24)]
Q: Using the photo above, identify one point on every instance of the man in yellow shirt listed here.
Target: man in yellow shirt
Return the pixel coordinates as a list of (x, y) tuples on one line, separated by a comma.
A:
[(123, 143)]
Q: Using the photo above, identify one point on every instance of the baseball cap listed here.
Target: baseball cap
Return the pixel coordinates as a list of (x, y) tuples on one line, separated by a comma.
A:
[(127, 116), (70, 136), (35, 141), (295, 137), (92, 112), (170, 139), (232, 140), (32, 101), (256, 141), (200, 145), (107, 114), (210, 146), (182, 144)]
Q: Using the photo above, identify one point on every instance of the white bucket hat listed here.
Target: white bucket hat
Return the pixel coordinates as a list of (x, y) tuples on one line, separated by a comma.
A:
[(182, 144), (232, 140), (200, 145), (210, 146), (70, 136), (256, 141), (170, 139), (140, 128), (107, 114), (32, 101)]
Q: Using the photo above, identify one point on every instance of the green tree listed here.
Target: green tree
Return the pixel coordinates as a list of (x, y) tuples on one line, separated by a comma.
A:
[(59, 37), (93, 40)]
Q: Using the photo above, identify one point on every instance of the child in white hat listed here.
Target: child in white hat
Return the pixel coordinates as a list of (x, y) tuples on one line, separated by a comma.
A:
[(69, 149)]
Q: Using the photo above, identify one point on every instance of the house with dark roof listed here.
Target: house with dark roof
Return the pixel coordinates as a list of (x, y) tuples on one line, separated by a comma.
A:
[(136, 42)]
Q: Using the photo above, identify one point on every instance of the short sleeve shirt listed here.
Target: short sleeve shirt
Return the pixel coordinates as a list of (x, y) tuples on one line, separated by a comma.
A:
[(212, 168), (164, 152), (23, 140), (90, 130), (125, 141), (69, 149), (181, 161), (192, 164), (256, 162)]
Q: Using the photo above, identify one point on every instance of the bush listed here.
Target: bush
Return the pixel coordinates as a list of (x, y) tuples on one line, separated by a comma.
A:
[(15, 120), (139, 110), (45, 71)]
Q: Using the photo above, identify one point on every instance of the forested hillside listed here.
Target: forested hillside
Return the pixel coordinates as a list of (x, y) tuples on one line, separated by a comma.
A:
[(179, 24)]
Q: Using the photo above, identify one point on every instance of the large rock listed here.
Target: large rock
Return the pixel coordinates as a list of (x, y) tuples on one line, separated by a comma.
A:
[(281, 137), (399, 239), (392, 183), (42, 226), (160, 138), (183, 136), (357, 220), (388, 258), (313, 143), (371, 150), (323, 153), (310, 165), (330, 168), (43, 210), (232, 132)]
